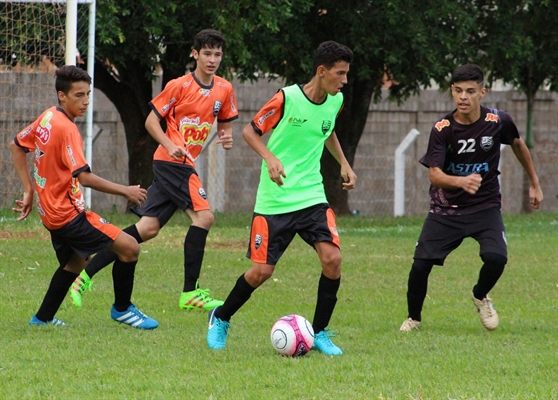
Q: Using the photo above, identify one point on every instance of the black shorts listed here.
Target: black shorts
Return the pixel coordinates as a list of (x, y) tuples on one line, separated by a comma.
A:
[(441, 234), (86, 234), (271, 234), (175, 186)]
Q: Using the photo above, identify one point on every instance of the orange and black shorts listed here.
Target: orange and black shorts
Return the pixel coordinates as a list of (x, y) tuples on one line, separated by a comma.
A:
[(175, 186), (271, 234), (86, 234)]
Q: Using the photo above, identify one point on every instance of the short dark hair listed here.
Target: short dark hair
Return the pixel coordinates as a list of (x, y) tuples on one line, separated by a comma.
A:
[(67, 75), (468, 72), (330, 52), (211, 39)]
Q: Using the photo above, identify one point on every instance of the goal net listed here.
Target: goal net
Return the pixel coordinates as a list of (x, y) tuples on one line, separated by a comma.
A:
[(32, 47)]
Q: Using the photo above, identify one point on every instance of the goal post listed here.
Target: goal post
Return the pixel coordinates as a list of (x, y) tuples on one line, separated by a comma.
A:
[(36, 37)]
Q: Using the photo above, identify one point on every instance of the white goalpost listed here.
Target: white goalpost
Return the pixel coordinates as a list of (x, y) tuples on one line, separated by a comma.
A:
[(36, 37)]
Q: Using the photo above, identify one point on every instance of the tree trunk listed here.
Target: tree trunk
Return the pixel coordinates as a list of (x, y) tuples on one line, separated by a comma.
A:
[(530, 142), (349, 128), (132, 83)]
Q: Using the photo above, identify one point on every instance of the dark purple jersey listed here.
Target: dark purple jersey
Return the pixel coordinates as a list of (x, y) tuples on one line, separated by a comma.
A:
[(464, 150)]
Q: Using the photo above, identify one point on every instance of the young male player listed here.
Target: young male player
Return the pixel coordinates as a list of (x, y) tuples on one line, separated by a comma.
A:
[(60, 167), (462, 156), (189, 105), (291, 197)]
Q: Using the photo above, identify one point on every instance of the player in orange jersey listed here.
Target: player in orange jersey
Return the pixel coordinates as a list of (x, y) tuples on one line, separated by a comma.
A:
[(76, 234), (189, 105)]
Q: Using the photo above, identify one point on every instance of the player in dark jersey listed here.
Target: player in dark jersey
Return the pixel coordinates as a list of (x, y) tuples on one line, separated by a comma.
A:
[(463, 156), (60, 167), (189, 105), (291, 199)]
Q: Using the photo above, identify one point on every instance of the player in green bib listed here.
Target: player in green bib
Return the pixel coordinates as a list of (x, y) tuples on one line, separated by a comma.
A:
[(291, 198)]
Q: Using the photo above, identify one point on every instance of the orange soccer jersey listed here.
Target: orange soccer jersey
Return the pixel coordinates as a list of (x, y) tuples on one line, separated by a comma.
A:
[(190, 109), (59, 158)]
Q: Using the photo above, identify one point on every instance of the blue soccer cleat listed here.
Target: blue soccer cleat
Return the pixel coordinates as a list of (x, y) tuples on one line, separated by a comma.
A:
[(217, 331), (323, 343), (133, 317), (37, 321)]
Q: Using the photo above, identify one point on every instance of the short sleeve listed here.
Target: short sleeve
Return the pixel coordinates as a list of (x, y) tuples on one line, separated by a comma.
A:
[(270, 114), (162, 103), (437, 145), (73, 156), (26, 138), (509, 131), (229, 110)]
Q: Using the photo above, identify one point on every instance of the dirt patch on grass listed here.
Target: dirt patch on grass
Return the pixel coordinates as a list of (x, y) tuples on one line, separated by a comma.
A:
[(23, 235)]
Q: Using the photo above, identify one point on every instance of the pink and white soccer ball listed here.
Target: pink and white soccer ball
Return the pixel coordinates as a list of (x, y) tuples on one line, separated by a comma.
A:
[(292, 335)]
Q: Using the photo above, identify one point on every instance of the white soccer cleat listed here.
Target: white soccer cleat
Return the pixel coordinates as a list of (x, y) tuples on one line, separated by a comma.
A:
[(409, 324), (487, 313)]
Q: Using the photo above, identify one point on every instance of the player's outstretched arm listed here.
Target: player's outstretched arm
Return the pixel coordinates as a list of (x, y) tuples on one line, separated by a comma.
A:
[(274, 165), (134, 194), (521, 152), (23, 207), (334, 147)]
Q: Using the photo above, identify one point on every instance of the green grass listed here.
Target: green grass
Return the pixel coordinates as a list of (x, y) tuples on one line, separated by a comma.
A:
[(451, 357)]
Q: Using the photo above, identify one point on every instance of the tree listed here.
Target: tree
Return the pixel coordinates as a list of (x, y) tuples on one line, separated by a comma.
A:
[(135, 36), (519, 44), (397, 39)]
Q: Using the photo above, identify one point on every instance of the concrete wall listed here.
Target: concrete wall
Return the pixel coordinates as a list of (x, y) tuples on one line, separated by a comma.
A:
[(386, 126)]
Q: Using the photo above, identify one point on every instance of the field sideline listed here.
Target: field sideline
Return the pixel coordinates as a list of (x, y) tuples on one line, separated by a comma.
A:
[(451, 357)]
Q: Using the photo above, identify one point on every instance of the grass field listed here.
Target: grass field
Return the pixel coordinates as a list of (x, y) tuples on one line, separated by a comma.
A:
[(451, 357)]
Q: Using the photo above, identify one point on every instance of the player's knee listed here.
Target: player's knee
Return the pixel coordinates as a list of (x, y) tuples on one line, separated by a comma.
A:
[(126, 248), (495, 260), (131, 253), (204, 219), (258, 274), (331, 265)]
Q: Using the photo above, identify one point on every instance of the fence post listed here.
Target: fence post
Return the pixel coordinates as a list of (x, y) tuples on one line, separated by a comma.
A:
[(399, 181)]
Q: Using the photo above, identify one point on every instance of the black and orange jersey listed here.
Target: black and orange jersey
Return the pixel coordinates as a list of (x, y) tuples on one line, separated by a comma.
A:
[(190, 110), (58, 148)]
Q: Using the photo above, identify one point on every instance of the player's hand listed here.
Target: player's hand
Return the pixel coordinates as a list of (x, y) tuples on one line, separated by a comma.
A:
[(24, 206), (136, 195), (349, 178), (225, 140), (471, 183), (535, 197), (276, 171), (177, 152)]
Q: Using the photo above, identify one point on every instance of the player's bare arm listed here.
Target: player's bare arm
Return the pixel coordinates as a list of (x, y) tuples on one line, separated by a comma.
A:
[(521, 152), (135, 194), (274, 165), (224, 130), (470, 183), (23, 207), (347, 173), (153, 126)]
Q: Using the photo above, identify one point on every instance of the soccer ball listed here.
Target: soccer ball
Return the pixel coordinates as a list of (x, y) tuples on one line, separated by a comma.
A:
[(292, 336)]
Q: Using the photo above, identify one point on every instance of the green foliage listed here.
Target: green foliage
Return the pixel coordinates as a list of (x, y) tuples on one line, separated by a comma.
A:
[(451, 357), (518, 44)]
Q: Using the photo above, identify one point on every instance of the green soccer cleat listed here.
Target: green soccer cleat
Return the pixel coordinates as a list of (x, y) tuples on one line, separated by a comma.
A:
[(198, 299), (323, 343), (82, 282)]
